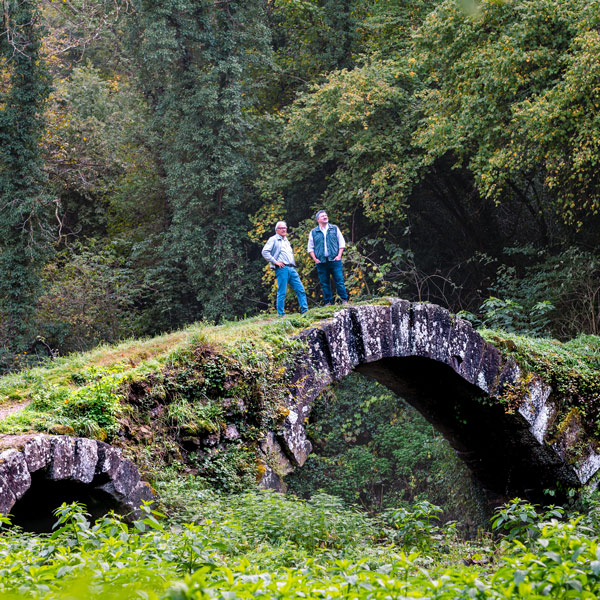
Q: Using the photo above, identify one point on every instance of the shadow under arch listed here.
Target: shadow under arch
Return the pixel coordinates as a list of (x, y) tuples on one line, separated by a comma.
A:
[(444, 368), (498, 447), (35, 509)]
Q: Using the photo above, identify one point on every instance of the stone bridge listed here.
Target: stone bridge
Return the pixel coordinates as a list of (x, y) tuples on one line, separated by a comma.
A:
[(442, 367), (423, 353)]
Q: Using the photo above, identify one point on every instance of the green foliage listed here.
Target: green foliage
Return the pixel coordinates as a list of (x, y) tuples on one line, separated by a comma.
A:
[(509, 315), (231, 469), (24, 203), (311, 37), (570, 368), (93, 119), (89, 297), (416, 527), (91, 410), (193, 61), (264, 546), (542, 290), (520, 519), (321, 522), (508, 101), (369, 447)]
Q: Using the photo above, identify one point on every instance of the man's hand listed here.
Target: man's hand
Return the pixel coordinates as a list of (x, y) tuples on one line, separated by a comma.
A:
[(338, 257), (317, 261), (280, 263)]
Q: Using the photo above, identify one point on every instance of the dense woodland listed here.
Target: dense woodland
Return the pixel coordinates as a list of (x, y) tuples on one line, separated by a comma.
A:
[(147, 149)]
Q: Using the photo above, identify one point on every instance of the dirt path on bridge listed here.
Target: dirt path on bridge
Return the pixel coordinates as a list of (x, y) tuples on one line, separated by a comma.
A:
[(9, 409)]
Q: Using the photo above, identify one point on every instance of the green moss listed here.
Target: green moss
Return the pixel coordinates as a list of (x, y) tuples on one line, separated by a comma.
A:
[(571, 368)]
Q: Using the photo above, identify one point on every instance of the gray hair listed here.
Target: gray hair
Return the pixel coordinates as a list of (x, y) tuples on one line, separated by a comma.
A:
[(280, 223), (318, 213)]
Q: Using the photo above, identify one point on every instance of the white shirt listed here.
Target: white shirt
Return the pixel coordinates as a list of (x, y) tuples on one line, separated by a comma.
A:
[(287, 254)]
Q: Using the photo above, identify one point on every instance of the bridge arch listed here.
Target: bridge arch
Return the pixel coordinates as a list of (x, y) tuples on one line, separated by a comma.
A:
[(39, 472), (447, 371)]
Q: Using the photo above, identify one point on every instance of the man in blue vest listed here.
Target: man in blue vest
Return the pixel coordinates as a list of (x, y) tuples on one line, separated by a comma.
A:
[(326, 245), (278, 251)]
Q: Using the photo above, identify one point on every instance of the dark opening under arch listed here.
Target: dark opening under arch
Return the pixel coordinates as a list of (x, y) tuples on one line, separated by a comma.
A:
[(35, 509), (498, 447)]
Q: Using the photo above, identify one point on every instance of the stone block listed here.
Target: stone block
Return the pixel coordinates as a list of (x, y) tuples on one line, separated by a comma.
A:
[(294, 437), (63, 458), (14, 471), (270, 480), (489, 369), (7, 497), (85, 460), (375, 325), (142, 492), (400, 317), (274, 455), (109, 459), (37, 452), (126, 478), (341, 339)]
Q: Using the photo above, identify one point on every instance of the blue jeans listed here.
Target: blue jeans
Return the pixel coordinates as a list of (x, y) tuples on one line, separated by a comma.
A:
[(285, 276), (326, 270)]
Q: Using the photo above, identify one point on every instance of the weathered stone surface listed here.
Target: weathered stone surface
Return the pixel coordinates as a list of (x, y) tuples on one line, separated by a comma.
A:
[(274, 456), (63, 457), (85, 460), (372, 339), (400, 319), (37, 452), (14, 471), (109, 459), (126, 478), (536, 408), (231, 432), (7, 497), (587, 467), (270, 480), (294, 433), (142, 492)]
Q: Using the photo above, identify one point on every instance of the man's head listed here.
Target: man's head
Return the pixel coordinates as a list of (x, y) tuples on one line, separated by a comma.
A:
[(322, 218), (281, 228)]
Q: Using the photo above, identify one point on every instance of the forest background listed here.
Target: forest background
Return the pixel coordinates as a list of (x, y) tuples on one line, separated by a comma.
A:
[(148, 148)]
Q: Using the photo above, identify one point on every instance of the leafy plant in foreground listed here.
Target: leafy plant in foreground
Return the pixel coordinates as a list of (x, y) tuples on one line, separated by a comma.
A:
[(521, 520)]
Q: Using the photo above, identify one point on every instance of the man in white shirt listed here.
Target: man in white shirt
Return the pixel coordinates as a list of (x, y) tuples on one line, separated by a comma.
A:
[(326, 245), (278, 251)]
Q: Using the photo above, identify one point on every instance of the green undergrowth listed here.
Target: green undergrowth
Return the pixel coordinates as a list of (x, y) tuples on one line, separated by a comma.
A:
[(264, 545), (571, 368), (74, 378)]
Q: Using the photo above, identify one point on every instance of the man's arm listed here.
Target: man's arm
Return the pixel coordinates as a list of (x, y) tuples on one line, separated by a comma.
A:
[(267, 248), (341, 244)]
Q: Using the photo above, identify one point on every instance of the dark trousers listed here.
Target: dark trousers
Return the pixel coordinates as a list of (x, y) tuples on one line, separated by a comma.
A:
[(326, 270)]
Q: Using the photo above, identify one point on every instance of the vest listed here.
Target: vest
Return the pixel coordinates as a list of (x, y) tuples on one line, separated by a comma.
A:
[(319, 241)]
